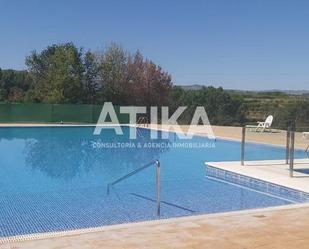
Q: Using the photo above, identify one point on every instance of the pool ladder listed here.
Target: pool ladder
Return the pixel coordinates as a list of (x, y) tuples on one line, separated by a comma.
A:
[(152, 163), (142, 121)]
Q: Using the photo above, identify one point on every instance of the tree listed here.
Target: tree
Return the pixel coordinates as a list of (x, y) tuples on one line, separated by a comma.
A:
[(90, 78), (293, 114), (220, 106), (112, 74), (13, 85), (129, 79), (57, 74), (150, 85)]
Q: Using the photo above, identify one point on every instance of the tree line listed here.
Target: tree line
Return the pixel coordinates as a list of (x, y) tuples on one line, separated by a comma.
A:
[(65, 73)]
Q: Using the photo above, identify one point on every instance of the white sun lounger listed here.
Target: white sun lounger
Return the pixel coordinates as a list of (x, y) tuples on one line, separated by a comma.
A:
[(262, 126)]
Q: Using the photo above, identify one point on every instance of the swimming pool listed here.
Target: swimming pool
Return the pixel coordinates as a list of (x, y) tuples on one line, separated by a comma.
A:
[(55, 178)]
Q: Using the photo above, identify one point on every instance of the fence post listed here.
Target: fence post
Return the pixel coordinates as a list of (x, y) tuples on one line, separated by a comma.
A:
[(287, 150), (292, 153), (243, 141)]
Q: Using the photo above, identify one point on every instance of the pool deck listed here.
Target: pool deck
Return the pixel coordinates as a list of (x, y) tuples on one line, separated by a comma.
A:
[(273, 228), (275, 137), (276, 227)]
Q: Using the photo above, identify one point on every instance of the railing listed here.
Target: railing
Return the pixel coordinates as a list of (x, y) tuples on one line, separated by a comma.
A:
[(157, 164), (243, 141), (289, 150), (291, 153), (288, 143), (142, 121)]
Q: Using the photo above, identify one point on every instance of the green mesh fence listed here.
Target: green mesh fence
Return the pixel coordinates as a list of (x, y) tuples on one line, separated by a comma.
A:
[(72, 113), (54, 113), (5, 112)]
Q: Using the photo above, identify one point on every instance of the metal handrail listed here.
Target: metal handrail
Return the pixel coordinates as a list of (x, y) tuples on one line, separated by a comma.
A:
[(157, 164), (242, 146), (291, 153), (288, 143), (142, 121)]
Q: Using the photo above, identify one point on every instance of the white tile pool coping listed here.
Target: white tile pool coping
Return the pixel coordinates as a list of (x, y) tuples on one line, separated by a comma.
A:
[(273, 171)]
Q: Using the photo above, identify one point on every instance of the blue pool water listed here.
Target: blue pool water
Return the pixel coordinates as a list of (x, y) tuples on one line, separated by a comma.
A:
[(55, 179)]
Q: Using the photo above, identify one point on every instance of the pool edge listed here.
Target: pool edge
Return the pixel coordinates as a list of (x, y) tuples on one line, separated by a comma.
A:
[(49, 235)]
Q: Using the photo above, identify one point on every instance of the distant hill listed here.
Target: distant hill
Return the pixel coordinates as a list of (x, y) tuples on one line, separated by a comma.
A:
[(296, 92), (289, 92), (191, 87)]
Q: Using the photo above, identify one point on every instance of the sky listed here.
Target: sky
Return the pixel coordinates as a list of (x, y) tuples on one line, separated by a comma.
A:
[(236, 44)]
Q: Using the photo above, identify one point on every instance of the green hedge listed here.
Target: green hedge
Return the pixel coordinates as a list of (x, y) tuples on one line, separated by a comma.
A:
[(53, 113)]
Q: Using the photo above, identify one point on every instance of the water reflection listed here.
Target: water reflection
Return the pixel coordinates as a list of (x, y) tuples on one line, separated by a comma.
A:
[(66, 153)]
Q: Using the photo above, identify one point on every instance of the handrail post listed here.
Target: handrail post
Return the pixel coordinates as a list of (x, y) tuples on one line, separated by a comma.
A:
[(291, 168), (158, 187), (158, 180), (243, 141), (287, 150)]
